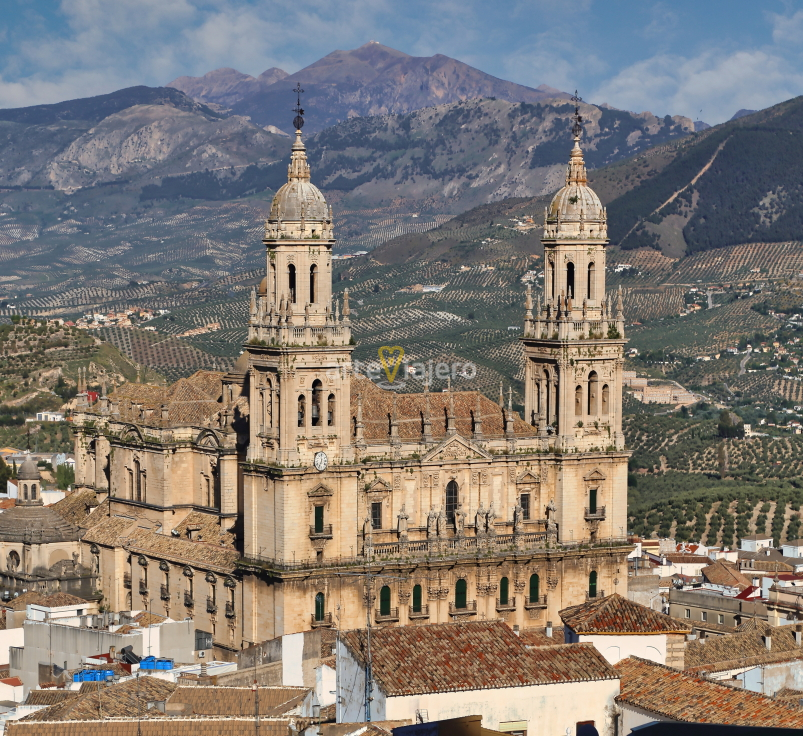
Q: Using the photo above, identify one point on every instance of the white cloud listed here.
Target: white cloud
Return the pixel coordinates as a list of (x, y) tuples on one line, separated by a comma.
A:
[(715, 82)]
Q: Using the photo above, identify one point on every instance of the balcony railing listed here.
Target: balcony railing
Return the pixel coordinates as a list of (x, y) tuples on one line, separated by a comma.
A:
[(423, 612), (325, 532), (325, 621), (391, 615), (188, 599), (594, 596), (230, 610), (211, 604), (539, 602), (595, 514), (164, 592), (143, 587), (508, 605), (127, 580), (469, 609)]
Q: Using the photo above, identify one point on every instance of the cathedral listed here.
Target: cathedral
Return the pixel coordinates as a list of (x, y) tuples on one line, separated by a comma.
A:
[(293, 493)]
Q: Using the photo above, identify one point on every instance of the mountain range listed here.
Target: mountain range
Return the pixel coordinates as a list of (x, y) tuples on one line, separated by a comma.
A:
[(370, 80)]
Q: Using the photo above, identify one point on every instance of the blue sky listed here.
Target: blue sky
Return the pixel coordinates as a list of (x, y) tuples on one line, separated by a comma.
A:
[(678, 57)]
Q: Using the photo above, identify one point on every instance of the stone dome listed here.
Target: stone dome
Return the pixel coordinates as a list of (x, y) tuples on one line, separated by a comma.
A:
[(36, 524), (299, 198), (575, 210), (28, 470)]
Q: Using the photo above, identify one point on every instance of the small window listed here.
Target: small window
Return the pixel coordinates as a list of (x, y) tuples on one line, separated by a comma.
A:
[(504, 591), (524, 502), (535, 585), (376, 515), (592, 501), (688, 613), (319, 519), (302, 410), (460, 598), (384, 601), (704, 615), (416, 599), (720, 618), (320, 607), (592, 584), (451, 501)]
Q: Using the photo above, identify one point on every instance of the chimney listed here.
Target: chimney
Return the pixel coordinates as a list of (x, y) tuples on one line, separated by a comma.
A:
[(756, 583), (549, 629), (768, 641), (112, 652), (691, 637), (798, 634), (516, 630)]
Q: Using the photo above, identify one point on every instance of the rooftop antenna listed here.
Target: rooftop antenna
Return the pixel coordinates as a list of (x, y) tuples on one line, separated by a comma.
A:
[(577, 128), (298, 120)]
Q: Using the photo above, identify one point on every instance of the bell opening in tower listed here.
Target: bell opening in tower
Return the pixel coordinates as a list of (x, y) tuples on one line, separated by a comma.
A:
[(291, 281), (570, 280)]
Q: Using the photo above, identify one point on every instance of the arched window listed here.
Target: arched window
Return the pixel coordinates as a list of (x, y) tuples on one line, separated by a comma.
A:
[(592, 584), (591, 286), (416, 599), (313, 282), (319, 519), (578, 401), (317, 390), (451, 500), (320, 607), (605, 399), (460, 594), (593, 382), (13, 560), (592, 501), (330, 411), (504, 591), (302, 410), (25, 491), (547, 398), (551, 278), (274, 298), (570, 280), (535, 588), (291, 280), (33, 491), (138, 480), (384, 601)]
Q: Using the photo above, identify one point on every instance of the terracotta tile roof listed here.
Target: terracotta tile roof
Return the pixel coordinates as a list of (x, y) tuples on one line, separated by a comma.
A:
[(754, 624), (411, 660), (538, 638), (109, 531), (237, 701), (681, 696), (615, 614), (125, 699), (51, 696), (152, 726), (61, 599), (21, 601), (181, 551), (146, 618), (792, 697), (679, 558), (719, 653), (377, 406), (204, 527), (76, 506), (8, 503), (725, 573), (12, 681)]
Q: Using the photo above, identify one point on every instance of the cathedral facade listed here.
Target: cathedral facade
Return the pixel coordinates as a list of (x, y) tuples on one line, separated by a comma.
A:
[(292, 493)]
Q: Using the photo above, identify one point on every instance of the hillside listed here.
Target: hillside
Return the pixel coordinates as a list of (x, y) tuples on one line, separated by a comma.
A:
[(370, 80)]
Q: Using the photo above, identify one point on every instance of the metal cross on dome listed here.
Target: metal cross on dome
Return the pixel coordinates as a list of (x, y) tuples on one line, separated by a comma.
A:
[(298, 120), (577, 128)]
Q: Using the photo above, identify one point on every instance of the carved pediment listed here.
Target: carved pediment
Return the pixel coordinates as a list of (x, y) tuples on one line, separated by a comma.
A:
[(456, 448), (528, 478), (207, 438), (595, 476), (320, 490), (379, 485)]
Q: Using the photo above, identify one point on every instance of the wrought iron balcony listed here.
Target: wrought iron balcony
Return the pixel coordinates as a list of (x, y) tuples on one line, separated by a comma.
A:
[(596, 514), (188, 599), (324, 533), (324, 622), (211, 604), (508, 605), (143, 587), (391, 615), (422, 612), (595, 596), (469, 609), (230, 610), (127, 580), (539, 602), (164, 592)]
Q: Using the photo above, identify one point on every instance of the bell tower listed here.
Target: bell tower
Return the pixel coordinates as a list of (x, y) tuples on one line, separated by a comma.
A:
[(299, 341), (574, 338)]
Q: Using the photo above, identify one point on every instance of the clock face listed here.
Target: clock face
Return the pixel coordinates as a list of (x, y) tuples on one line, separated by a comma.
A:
[(321, 461)]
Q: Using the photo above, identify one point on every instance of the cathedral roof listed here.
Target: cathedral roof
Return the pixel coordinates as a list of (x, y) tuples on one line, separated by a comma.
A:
[(299, 198), (377, 408)]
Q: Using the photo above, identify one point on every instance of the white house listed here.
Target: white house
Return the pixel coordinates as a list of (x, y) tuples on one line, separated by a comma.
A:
[(793, 548), (460, 669), (620, 628), (755, 542)]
